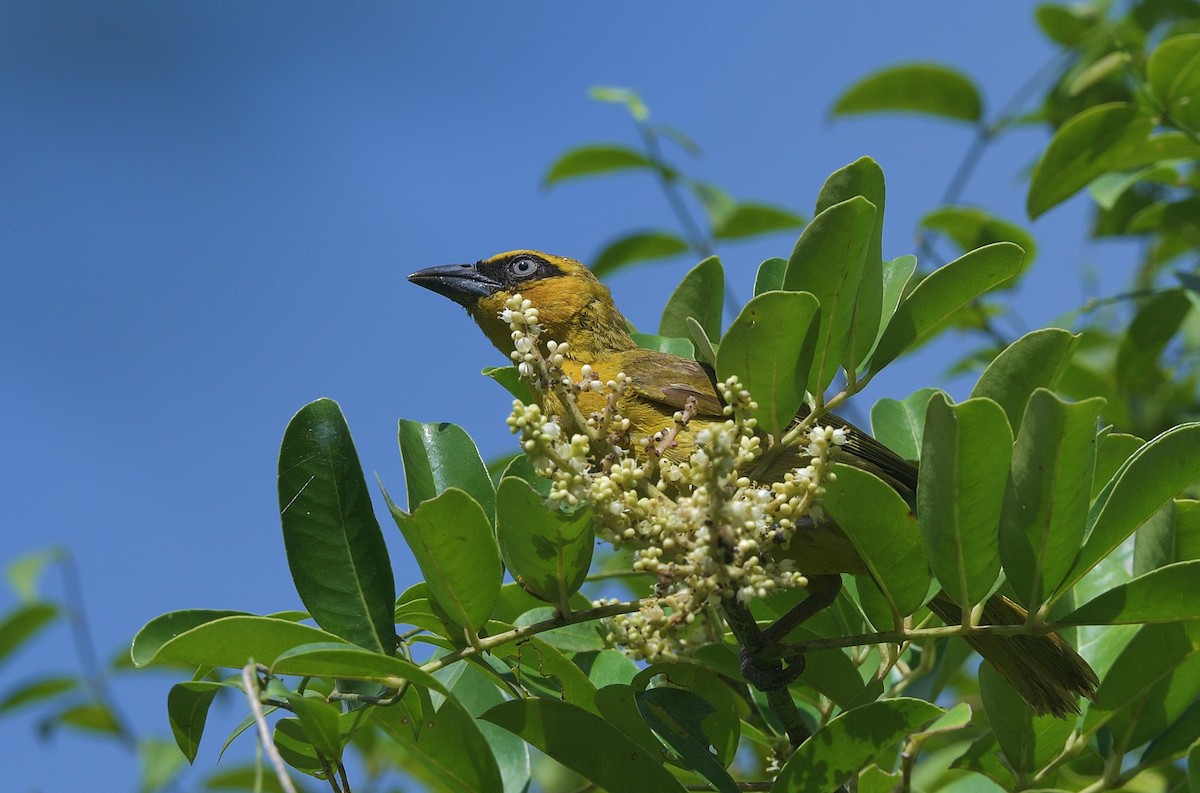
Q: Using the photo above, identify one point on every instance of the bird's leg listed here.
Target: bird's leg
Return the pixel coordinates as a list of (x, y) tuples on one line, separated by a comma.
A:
[(764, 652)]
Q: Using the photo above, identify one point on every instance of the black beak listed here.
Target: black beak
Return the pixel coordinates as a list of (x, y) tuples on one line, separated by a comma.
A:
[(462, 283)]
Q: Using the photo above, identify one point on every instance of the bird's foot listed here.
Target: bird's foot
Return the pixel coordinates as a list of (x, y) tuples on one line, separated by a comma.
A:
[(770, 674)]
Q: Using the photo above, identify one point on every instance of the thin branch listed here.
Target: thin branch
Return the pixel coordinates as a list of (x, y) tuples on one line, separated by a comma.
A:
[(264, 731)]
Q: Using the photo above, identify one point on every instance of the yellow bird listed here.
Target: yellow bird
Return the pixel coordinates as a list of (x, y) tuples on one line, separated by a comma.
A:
[(574, 307)]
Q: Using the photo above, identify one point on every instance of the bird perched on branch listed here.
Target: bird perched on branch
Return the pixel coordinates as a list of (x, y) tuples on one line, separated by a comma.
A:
[(574, 307)]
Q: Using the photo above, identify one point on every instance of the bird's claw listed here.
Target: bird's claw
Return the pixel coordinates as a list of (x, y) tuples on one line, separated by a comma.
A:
[(770, 674)]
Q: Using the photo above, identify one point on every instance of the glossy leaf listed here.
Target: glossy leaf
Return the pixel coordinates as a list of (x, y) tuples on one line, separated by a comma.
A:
[(704, 348), (700, 295), (885, 532), (1152, 476), (535, 658), (680, 347), (964, 469), (1029, 742), (510, 380), (925, 88), (321, 723), (828, 262), (769, 277), (769, 348), (187, 711), (863, 177), (617, 703), (1113, 449), (944, 292), (1109, 137), (335, 548), (348, 662), (721, 726), (221, 638), (1048, 494), (595, 159), (637, 247), (675, 715), (1036, 360), (546, 550), (751, 220), (441, 455), (449, 747), (897, 274), (900, 424), (1173, 742), (971, 228), (1147, 335), (1140, 693), (849, 741), (607, 758), (1173, 72), (1167, 594), (454, 546), (23, 623)]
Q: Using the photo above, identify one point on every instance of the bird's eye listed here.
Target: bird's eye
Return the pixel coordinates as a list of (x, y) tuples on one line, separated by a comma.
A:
[(522, 267)]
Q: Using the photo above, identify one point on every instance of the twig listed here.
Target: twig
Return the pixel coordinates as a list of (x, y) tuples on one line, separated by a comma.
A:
[(264, 730)]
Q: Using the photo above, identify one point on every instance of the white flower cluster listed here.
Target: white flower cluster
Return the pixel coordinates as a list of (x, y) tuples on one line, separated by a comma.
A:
[(681, 501)]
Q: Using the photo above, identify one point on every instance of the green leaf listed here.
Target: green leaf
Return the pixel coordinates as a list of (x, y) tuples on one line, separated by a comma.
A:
[(1167, 594), (1173, 72), (477, 694), (636, 247), (294, 746), (1099, 71), (682, 348), (450, 747), (885, 533), (944, 292), (546, 550), (751, 220), (441, 455), (914, 88), (321, 723), (900, 424), (897, 274), (700, 295), (510, 380), (40, 689), (1152, 476), (675, 715), (1109, 137), (452, 540), (187, 711), (158, 762), (1047, 498), (971, 228), (621, 96), (617, 703), (595, 159), (1036, 360), (1173, 743), (536, 659), (863, 177), (850, 741), (348, 662), (828, 262), (335, 549), (1112, 451), (1151, 683), (22, 624), (220, 638), (769, 347), (1145, 338), (93, 717), (1193, 766), (704, 348), (25, 572), (1067, 25), (606, 758), (964, 468), (722, 726), (1029, 742), (770, 275)]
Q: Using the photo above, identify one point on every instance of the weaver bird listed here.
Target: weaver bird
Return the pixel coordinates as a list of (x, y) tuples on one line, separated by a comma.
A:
[(574, 307)]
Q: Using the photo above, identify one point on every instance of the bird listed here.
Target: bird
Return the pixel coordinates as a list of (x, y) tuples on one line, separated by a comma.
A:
[(575, 307)]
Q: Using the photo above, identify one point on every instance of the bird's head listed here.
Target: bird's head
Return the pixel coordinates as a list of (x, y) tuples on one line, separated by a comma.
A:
[(573, 306)]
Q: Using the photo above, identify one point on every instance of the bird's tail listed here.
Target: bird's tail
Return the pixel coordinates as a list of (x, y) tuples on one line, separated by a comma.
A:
[(1046, 671)]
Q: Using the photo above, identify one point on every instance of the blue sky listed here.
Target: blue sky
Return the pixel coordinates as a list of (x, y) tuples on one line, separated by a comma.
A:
[(209, 211)]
